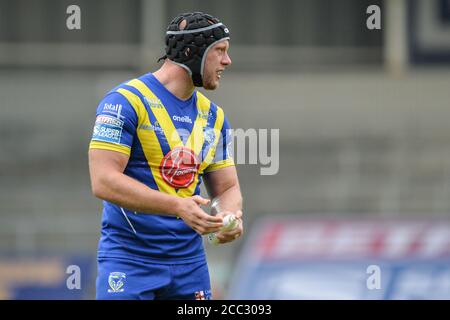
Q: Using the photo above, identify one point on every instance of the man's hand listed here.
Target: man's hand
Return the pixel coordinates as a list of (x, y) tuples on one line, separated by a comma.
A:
[(224, 184), (189, 210), (228, 236)]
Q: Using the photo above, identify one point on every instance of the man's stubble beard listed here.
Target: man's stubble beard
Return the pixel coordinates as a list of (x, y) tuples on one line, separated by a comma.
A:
[(208, 84)]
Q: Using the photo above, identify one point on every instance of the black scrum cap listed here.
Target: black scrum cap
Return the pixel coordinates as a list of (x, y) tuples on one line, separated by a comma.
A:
[(188, 46)]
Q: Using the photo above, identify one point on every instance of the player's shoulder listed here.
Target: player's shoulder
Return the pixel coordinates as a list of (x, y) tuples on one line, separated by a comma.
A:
[(127, 84), (121, 91), (116, 102), (114, 93)]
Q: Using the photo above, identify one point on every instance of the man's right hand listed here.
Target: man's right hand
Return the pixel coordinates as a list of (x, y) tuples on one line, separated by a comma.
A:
[(189, 210)]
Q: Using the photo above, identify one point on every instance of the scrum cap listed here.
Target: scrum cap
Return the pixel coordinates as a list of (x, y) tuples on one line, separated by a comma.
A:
[(189, 37)]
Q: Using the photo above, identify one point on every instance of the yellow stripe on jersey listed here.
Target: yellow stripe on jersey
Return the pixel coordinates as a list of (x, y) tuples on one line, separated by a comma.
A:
[(207, 166), (220, 165), (197, 138), (194, 142), (149, 141), (217, 130), (109, 146), (161, 114)]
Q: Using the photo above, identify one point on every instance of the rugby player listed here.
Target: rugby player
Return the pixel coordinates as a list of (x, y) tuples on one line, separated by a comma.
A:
[(155, 139)]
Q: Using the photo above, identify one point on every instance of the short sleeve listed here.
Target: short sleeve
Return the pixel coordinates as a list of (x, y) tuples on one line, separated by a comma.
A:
[(223, 156), (115, 124)]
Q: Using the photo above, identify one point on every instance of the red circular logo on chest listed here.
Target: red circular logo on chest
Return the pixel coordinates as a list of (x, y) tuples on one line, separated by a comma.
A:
[(179, 167)]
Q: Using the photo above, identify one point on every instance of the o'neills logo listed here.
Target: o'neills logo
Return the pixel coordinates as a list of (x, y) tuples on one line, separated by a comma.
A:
[(185, 119), (179, 167)]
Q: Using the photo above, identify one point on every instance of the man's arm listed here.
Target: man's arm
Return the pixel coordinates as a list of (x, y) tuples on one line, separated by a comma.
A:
[(224, 183), (110, 183)]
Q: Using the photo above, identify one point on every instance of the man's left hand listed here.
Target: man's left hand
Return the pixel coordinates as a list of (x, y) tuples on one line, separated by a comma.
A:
[(228, 236)]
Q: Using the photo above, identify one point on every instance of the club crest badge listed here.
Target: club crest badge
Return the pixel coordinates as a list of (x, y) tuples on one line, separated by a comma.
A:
[(209, 135), (116, 281)]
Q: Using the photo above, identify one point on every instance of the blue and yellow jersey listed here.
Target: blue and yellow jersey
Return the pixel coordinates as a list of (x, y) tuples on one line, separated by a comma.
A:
[(171, 143)]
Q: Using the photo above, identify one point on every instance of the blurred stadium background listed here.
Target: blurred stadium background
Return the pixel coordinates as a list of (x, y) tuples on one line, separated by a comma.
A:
[(364, 136)]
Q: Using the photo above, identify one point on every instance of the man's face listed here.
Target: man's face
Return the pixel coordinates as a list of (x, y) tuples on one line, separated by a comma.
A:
[(217, 59)]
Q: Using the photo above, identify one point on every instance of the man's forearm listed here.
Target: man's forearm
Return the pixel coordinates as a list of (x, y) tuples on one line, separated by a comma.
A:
[(231, 199), (133, 195)]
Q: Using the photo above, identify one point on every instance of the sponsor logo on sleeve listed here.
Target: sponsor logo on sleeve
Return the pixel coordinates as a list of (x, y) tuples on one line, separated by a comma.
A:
[(107, 129), (114, 109)]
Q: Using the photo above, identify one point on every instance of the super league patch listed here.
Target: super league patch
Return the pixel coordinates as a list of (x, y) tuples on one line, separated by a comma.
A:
[(107, 129)]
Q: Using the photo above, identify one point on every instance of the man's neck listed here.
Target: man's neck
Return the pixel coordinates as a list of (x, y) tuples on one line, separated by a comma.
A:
[(175, 79)]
